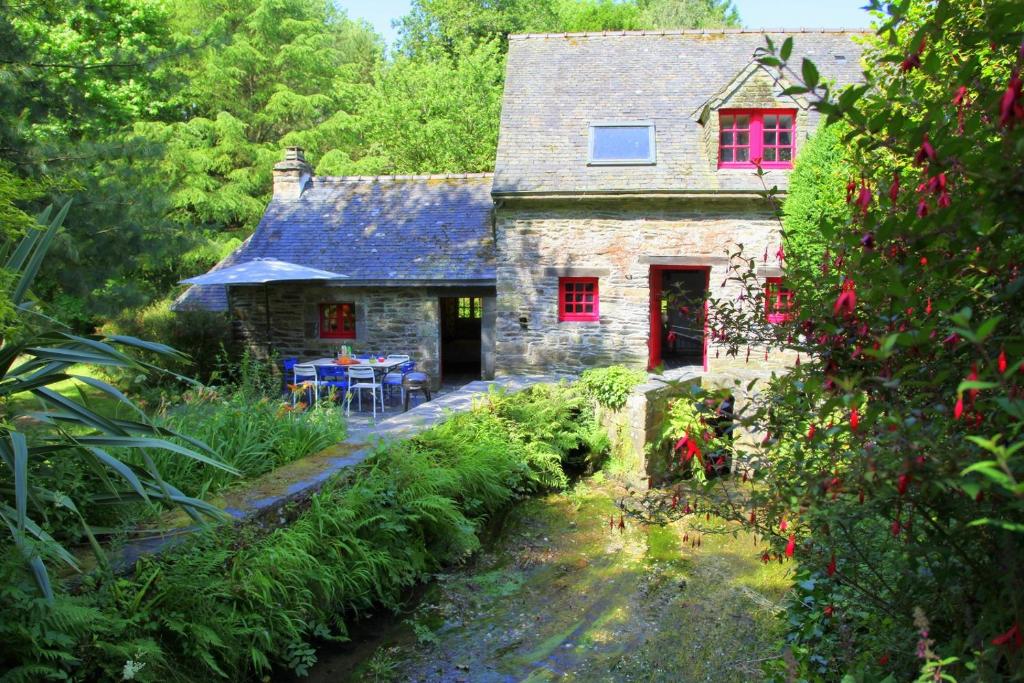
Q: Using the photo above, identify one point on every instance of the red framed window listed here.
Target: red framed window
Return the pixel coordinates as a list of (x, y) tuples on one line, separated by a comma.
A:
[(338, 321), (778, 301), (578, 299), (748, 134)]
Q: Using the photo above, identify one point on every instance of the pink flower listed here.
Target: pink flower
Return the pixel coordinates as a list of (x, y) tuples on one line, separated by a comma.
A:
[(791, 546), (831, 566), (1011, 638), (902, 483), (922, 208), (854, 419), (944, 200), (958, 409), (1002, 361), (894, 188)]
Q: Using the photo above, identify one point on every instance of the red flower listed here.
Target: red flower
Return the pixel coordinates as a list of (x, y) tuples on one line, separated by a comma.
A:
[(972, 376), (944, 200), (958, 409), (753, 516), (902, 483), (791, 546), (894, 188), (854, 419), (851, 187), (810, 432), (961, 96), (682, 442), (783, 525), (895, 528), (831, 566), (1002, 361), (828, 610), (864, 197), (846, 302), (1011, 638), (922, 208), (928, 307), (926, 152), (884, 659), (1011, 109)]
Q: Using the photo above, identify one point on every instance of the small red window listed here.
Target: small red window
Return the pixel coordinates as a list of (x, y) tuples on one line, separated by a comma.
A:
[(778, 301), (749, 134), (337, 321), (578, 299)]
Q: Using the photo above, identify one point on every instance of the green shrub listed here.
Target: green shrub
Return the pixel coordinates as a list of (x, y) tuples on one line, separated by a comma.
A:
[(610, 386), (202, 335)]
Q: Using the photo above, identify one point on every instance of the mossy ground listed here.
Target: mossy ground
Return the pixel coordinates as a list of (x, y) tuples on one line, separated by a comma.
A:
[(561, 596)]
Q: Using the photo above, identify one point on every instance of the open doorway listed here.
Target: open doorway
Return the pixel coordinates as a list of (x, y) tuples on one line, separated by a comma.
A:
[(678, 316), (460, 338)]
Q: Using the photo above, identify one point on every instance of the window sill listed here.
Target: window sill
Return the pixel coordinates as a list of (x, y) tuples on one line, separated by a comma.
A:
[(622, 162)]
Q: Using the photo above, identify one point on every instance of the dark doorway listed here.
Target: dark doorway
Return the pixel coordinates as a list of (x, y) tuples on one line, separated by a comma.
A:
[(678, 335), (460, 337)]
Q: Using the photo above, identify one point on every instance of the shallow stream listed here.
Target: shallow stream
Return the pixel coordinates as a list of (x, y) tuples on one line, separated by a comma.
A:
[(559, 595)]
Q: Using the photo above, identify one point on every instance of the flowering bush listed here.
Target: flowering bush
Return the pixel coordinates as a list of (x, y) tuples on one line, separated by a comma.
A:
[(890, 458)]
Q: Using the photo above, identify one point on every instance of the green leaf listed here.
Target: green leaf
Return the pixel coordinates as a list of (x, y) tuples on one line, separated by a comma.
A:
[(42, 245), (810, 73), (20, 450), (142, 442), (787, 48)]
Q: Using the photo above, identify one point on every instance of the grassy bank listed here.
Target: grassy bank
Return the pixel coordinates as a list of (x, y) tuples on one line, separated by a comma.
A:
[(237, 602)]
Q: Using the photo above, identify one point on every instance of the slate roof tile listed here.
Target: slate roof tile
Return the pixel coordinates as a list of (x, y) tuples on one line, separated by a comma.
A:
[(381, 229), (556, 84)]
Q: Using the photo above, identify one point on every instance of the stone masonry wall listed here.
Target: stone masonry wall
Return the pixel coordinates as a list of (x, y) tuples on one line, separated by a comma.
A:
[(388, 320), (617, 241)]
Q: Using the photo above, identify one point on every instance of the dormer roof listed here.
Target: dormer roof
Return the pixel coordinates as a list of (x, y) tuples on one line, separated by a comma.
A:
[(557, 85)]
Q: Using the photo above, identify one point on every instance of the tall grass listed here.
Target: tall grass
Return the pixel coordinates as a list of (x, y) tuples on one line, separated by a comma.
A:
[(236, 603), (252, 433)]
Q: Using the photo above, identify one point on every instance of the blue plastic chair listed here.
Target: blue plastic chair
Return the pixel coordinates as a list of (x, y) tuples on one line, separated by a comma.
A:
[(333, 377), (288, 371), (394, 378)]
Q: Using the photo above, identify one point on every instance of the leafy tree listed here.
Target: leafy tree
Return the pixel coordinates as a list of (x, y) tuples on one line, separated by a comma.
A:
[(815, 208)]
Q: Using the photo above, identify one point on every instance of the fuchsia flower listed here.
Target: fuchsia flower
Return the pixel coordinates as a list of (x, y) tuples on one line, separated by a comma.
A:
[(958, 409), (913, 60), (894, 188), (829, 610), (753, 516), (1002, 361), (854, 419), (831, 566), (851, 187), (791, 546), (783, 525), (846, 302), (926, 152), (1011, 638), (895, 528), (922, 208), (902, 483), (810, 432), (1011, 110), (864, 197)]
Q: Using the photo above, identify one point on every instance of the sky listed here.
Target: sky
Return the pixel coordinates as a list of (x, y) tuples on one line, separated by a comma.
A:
[(753, 13)]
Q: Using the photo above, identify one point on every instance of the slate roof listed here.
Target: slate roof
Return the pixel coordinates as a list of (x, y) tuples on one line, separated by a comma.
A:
[(557, 84), (379, 230)]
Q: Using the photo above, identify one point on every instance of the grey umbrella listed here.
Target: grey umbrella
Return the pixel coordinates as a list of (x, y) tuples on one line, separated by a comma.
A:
[(260, 271)]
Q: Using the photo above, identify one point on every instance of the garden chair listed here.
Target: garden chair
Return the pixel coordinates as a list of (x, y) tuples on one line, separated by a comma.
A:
[(333, 377), (394, 378), (305, 377), (415, 381), (361, 379)]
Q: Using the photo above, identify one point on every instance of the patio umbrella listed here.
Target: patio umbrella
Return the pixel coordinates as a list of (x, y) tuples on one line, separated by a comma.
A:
[(261, 271)]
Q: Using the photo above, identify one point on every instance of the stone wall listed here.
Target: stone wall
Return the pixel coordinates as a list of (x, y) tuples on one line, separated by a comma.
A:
[(617, 241), (388, 320)]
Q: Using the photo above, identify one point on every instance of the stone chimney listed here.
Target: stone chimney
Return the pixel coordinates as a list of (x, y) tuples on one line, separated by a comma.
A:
[(291, 175)]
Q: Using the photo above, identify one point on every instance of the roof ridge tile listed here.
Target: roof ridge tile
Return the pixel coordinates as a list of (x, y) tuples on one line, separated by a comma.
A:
[(399, 177), (686, 32)]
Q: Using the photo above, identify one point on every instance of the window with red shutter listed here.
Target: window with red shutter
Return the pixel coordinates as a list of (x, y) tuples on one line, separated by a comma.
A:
[(338, 321), (748, 134)]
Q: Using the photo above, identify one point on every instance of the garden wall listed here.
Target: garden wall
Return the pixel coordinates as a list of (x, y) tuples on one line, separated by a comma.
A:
[(634, 428)]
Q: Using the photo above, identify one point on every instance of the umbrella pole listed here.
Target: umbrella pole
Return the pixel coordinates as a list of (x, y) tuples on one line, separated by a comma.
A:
[(266, 313)]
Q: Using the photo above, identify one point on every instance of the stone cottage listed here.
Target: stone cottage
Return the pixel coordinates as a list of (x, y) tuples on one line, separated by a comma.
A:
[(624, 171)]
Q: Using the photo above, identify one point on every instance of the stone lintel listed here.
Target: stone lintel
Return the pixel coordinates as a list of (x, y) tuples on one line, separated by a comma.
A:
[(769, 271), (685, 260), (574, 271)]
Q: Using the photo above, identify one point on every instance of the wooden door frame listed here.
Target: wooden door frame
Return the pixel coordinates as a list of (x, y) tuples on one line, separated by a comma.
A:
[(654, 340)]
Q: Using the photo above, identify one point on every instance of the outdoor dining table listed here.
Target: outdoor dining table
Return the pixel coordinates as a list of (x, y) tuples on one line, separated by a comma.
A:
[(380, 368)]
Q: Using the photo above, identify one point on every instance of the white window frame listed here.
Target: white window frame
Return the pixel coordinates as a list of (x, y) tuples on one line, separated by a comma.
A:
[(651, 160)]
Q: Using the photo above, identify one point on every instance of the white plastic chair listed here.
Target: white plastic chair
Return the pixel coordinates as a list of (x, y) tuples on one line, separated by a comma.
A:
[(359, 379), (306, 378)]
